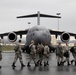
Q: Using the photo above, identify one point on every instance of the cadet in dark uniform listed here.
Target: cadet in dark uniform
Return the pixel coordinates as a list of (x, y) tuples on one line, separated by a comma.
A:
[(18, 54), (59, 54)]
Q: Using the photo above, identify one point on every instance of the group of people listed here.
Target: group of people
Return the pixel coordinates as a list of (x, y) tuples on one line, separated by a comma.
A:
[(63, 54), (35, 51), (40, 52)]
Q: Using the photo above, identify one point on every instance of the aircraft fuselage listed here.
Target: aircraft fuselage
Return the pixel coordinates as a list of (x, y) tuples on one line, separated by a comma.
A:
[(38, 34)]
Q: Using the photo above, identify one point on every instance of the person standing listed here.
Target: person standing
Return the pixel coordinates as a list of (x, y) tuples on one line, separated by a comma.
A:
[(46, 54), (18, 54), (32, 54), (66, 54), (73, 51), (59, 54), (40, 49), (0, 52)]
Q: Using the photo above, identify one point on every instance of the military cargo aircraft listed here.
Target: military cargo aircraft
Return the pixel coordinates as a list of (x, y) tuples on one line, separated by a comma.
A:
[(38, 33)]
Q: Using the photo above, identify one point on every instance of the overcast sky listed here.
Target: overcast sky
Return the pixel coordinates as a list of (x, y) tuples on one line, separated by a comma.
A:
[(10, 9)]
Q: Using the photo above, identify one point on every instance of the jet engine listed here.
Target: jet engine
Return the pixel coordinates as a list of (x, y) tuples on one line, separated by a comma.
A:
[(65, 37), (12, 37)]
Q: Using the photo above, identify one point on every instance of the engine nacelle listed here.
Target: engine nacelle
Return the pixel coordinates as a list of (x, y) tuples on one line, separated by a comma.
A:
[(65, 37), (12, 37)]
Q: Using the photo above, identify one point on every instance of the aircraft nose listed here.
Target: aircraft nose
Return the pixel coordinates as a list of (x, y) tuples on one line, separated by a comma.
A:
[(40, 37), (39, 34)]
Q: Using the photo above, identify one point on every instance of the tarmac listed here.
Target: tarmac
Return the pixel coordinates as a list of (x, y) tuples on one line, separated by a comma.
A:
[(52, 69)]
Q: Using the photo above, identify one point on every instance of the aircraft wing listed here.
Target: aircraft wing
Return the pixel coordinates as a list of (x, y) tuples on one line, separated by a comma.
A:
[(21, 32), (53, 32)]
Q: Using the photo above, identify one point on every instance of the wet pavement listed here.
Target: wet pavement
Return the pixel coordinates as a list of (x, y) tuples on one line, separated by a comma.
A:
[(52, 69)]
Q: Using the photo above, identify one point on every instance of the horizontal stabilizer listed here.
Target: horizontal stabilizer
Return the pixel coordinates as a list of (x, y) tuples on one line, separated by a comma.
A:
[(41, 15), (49, 16), (27, 16)]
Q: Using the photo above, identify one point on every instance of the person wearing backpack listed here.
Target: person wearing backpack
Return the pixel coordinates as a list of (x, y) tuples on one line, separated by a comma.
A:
[(46, 54), (59, 55), (18, 54), (66, 54), (32, 54), (40, 49), (73, 51)]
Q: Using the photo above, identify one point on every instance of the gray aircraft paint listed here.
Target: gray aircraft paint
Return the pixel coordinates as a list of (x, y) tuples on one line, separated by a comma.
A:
[(38, 34)]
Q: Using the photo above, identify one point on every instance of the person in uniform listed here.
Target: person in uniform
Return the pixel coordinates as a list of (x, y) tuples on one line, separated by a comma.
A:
[(0, 52), (66, 54), (32, 54), (73, 51), (18, 54), (46, 54), (40, 49), (59, 54)]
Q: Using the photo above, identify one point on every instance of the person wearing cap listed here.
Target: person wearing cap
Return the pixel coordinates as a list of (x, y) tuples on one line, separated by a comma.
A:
[(32, 54), (59, 55), (18, 54)]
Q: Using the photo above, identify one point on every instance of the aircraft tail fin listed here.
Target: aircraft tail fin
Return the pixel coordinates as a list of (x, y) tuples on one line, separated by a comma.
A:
[(38, 15)]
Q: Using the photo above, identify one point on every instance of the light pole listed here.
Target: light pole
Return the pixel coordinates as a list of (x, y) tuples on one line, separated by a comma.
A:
[(58, 22)]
